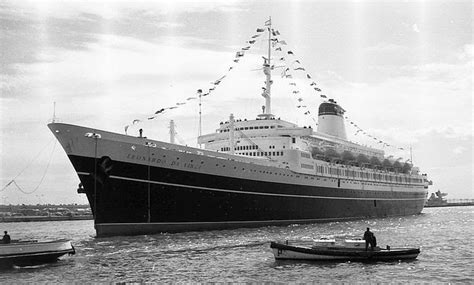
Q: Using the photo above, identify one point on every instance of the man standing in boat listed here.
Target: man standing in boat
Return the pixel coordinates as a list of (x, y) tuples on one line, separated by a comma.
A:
[(6, 238), (369, 238)]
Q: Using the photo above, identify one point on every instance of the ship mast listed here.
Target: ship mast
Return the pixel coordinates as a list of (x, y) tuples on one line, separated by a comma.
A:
[(172, 132), (200, 117), (54, 112), (267, 70)]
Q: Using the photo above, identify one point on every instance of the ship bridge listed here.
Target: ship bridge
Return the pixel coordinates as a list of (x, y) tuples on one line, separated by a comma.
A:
[(268, 137)]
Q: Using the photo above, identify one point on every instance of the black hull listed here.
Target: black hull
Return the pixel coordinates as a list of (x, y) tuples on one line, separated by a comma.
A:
[(31, 260), (130, 199)]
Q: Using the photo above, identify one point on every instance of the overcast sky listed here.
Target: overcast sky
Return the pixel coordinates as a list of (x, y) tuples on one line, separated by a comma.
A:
[(403, 71)]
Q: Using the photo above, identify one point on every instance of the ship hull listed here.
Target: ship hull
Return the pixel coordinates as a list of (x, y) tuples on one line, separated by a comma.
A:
[(143, 191), (129, 203)]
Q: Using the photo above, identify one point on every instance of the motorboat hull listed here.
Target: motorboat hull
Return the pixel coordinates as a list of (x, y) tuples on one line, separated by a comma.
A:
[(33, 253), (291, 252)]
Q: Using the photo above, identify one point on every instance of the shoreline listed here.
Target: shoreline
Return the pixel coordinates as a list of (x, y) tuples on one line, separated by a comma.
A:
[(44, 218), (451, 205)]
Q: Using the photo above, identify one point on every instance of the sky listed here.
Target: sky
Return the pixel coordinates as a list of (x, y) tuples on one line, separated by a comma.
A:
[(402, 70)]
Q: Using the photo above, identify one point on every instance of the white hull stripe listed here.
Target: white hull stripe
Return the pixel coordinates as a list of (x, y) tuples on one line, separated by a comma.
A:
[(229, 222), (253, 193), (264, 222), (310, 256)]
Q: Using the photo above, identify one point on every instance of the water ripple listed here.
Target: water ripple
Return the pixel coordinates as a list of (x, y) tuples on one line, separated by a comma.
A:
[(443, 234)]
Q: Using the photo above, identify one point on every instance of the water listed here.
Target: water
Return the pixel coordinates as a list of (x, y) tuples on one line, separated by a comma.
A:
[(244, 255)]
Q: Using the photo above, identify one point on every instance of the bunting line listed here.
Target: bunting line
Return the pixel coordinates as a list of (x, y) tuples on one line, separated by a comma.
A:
[(200, 93), (292, 69), (359, 130)]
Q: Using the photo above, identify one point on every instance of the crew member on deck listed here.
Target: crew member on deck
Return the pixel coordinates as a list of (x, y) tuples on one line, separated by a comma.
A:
[(141, 132), (6, 238), (369, 238)]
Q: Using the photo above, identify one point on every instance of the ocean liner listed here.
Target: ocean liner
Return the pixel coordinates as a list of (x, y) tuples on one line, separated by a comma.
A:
[(249, 173)]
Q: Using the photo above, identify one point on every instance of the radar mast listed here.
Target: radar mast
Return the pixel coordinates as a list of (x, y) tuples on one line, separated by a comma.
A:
[(267, 70)]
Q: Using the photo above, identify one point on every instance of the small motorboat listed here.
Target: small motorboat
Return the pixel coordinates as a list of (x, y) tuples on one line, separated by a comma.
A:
[(32, 252), (347, 250)]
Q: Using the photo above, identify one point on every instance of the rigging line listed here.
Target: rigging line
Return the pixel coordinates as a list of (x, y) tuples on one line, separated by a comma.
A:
[(42, 177), (377, 141), (292, 64), (27, 165), (303, 95), (236, 61), (180, 140)]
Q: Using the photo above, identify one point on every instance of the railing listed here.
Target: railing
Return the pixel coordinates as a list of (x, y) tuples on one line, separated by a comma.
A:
[(460, 200)]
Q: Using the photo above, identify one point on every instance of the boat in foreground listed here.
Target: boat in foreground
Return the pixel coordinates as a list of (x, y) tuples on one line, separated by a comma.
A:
[(349, 250), (25, 253)]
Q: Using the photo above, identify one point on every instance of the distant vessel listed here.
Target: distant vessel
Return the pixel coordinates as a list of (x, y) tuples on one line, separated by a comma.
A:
[(437, 200), (251, 173)]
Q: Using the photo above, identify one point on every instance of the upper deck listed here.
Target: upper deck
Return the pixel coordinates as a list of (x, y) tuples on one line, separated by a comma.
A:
[(270, 134)]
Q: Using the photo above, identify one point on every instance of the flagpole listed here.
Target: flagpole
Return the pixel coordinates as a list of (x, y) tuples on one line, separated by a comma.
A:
[(200, 118), (54, 112), (269, 41), (268, 107), (269, 83)]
